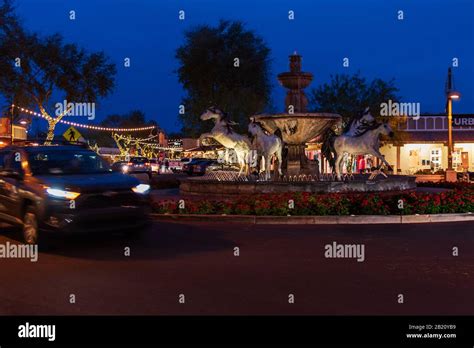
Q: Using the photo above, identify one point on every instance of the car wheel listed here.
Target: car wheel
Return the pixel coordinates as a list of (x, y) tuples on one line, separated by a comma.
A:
[(30, 226)]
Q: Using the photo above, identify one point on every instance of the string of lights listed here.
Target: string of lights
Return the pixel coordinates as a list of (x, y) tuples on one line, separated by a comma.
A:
[(80, 125)]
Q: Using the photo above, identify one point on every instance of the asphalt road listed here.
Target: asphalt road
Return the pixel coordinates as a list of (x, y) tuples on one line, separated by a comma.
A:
[(197, 260)]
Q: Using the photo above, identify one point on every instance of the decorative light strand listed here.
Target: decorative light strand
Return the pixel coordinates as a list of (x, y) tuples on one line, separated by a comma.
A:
[(80, 125)]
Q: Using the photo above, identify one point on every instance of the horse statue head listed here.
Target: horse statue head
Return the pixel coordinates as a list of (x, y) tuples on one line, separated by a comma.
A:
[(213, 113), (219, 117), (255, 128), (385, 129), (366, 118)]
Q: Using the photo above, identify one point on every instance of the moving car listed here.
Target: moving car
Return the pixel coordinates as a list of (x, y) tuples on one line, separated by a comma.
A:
[(137, 165), (67, 189)]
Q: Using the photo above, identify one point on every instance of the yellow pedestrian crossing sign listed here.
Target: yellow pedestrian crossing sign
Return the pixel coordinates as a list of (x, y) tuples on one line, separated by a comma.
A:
[(72, 134)]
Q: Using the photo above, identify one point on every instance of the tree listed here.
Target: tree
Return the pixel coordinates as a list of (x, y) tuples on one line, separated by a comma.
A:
[(349, 96), (34, 68), (225, 66)]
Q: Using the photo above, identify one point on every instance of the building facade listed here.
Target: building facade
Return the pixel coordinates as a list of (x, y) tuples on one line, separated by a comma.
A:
[(423, 147), (19, 132)]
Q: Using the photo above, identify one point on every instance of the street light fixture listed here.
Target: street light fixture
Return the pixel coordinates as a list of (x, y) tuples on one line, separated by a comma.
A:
[(451, 95), (454, 95)]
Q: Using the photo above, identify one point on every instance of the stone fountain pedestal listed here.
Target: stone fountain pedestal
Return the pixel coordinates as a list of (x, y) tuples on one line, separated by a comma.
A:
[(296, 130), (296, 161)]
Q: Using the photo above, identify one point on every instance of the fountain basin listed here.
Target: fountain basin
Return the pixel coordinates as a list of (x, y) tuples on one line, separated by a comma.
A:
[(210, 187), (298, 128)]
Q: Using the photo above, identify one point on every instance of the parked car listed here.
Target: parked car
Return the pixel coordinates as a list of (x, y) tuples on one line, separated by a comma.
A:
[(120, 166), (188, 167), (178, 165), (67, 189), (207, 166), (175, 165), (202, 167), (155, 165), (216, 166)]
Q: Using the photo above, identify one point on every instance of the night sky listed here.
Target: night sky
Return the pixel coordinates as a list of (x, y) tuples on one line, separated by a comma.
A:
[(416, 51)]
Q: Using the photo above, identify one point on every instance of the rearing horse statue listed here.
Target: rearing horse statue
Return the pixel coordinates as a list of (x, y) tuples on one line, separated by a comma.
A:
[(364, 144), (223, 133)]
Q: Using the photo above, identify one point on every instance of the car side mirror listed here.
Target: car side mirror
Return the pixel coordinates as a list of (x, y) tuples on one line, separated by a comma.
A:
[(12, 174)]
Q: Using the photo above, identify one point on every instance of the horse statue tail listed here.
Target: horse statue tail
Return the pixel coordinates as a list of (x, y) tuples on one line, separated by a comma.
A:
[(327, 147)]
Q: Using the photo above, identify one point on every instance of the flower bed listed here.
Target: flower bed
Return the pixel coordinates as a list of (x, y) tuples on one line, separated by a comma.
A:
[(458, 200)]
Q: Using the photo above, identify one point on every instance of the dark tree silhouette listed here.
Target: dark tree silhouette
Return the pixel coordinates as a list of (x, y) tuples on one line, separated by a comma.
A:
[(349, 95), (210, 77)]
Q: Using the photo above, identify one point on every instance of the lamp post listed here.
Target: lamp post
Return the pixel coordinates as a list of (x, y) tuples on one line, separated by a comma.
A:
[(450, 95)]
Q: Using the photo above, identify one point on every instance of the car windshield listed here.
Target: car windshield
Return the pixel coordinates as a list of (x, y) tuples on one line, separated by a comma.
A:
[(69, 161)]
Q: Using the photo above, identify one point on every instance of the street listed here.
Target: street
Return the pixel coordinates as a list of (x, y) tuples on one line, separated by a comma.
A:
[(198, 260)]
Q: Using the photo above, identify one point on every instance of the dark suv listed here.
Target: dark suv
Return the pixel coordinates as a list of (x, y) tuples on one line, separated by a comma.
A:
[(67, 188)]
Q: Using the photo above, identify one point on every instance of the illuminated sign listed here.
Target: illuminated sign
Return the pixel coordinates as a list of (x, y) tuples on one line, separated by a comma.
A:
[(467, 120)]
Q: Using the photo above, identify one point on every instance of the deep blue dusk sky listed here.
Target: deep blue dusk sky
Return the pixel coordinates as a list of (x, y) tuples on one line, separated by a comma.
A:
[(416, 51)]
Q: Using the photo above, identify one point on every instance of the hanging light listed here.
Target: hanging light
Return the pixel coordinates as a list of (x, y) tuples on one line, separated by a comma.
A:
[(86, 126)]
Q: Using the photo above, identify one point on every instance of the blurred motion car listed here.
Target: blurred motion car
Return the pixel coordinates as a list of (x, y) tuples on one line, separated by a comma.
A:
[(67, 188)]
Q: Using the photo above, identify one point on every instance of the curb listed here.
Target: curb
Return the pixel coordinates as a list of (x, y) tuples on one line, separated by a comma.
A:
[(318, 220)]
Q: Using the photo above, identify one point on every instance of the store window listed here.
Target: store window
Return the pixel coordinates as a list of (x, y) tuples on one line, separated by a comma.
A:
[(435, 159), (457, 159)]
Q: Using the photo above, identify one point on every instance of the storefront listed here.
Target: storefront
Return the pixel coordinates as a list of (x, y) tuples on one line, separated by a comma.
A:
[(423, 147)]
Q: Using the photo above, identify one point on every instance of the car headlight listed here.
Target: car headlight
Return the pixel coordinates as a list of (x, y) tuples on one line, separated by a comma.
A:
[(62, 194), (125, 169), (142, 188)]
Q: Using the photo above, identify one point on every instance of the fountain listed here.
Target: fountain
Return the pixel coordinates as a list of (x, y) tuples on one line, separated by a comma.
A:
[(297, 126)]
